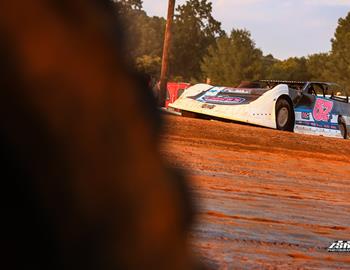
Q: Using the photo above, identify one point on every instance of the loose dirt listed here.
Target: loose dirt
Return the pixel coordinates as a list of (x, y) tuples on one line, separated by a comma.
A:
[(265, 198)]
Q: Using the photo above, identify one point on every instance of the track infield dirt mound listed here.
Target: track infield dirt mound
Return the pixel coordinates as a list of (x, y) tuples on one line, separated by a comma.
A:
[(266, 199)]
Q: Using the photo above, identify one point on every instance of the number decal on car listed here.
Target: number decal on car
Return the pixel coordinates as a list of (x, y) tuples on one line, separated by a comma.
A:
[(322, 110)]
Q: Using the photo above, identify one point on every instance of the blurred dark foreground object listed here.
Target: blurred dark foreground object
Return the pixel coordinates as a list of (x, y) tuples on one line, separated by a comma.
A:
[(83, 184)]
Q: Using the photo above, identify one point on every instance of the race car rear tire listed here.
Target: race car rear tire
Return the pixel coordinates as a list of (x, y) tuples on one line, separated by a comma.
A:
[(342, 128), (284, 115)]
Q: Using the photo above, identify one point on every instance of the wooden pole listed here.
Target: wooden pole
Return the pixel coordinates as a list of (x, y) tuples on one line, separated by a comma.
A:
[(165, 58)]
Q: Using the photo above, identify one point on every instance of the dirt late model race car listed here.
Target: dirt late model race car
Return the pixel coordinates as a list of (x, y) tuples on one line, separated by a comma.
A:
[(318, 108)]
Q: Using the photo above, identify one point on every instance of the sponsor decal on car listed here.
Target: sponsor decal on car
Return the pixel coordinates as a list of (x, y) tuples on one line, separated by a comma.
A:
[(223, 100), (213, 91), (208, 106), (305, 115), (220, 96), (327, 125), (228, 96)]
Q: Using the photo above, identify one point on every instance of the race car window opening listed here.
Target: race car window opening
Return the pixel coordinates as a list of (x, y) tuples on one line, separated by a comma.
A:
[(337, 93), (251, 85), (296, 87), (231, 93), (316, 90), (335, 90)]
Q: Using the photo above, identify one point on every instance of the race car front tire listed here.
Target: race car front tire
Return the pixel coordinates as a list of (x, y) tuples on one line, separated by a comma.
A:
[(284, 115)]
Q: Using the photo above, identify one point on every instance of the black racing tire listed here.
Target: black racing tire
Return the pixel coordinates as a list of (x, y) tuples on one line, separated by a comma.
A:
[(284, 115), (342, 128)]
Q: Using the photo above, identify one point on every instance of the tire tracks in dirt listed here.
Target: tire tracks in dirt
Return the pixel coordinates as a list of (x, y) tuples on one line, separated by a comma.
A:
[(266, 199)]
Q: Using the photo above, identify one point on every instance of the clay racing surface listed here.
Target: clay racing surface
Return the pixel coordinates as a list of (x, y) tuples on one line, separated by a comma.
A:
[(266, 199)]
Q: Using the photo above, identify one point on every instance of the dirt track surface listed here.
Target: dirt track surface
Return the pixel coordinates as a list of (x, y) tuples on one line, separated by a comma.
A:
[(267, 199)]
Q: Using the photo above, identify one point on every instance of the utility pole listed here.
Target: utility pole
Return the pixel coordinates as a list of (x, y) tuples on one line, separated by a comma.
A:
[(165, 58)]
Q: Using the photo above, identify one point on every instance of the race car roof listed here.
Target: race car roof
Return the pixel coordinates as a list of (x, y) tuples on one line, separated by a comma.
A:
[(304, 83), (294, 82), (282, 81)]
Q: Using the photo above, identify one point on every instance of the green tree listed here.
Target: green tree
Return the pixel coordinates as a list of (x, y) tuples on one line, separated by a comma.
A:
[(268, 61), (149, 64), (318, 65), (233, 59), (126, 6), (340, 54), (293, 69), (194, 31), (144, 34), (149, 36)]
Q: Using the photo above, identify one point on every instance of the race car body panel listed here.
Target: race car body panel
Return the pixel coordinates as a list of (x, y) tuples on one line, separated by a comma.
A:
[(312, 113), (245, 105)]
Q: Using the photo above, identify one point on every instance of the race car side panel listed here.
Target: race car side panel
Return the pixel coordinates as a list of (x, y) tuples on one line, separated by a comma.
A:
[(320, 115)]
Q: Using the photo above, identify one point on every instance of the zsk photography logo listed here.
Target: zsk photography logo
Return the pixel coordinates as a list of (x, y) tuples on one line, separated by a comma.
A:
[(339, 246)]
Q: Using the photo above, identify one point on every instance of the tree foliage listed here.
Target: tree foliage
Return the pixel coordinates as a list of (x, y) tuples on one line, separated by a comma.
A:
[(201, 49), (318, 67), (149, 64), (126, 6), (340, 54), (293, 69), (194, 30), (233, 59), (144, 34)]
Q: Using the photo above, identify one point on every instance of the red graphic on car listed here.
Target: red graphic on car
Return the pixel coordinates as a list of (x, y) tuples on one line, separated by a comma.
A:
[(322, 110)]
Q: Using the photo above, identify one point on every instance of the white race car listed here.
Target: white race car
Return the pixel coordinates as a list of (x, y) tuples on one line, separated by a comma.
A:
[(305, 107)]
